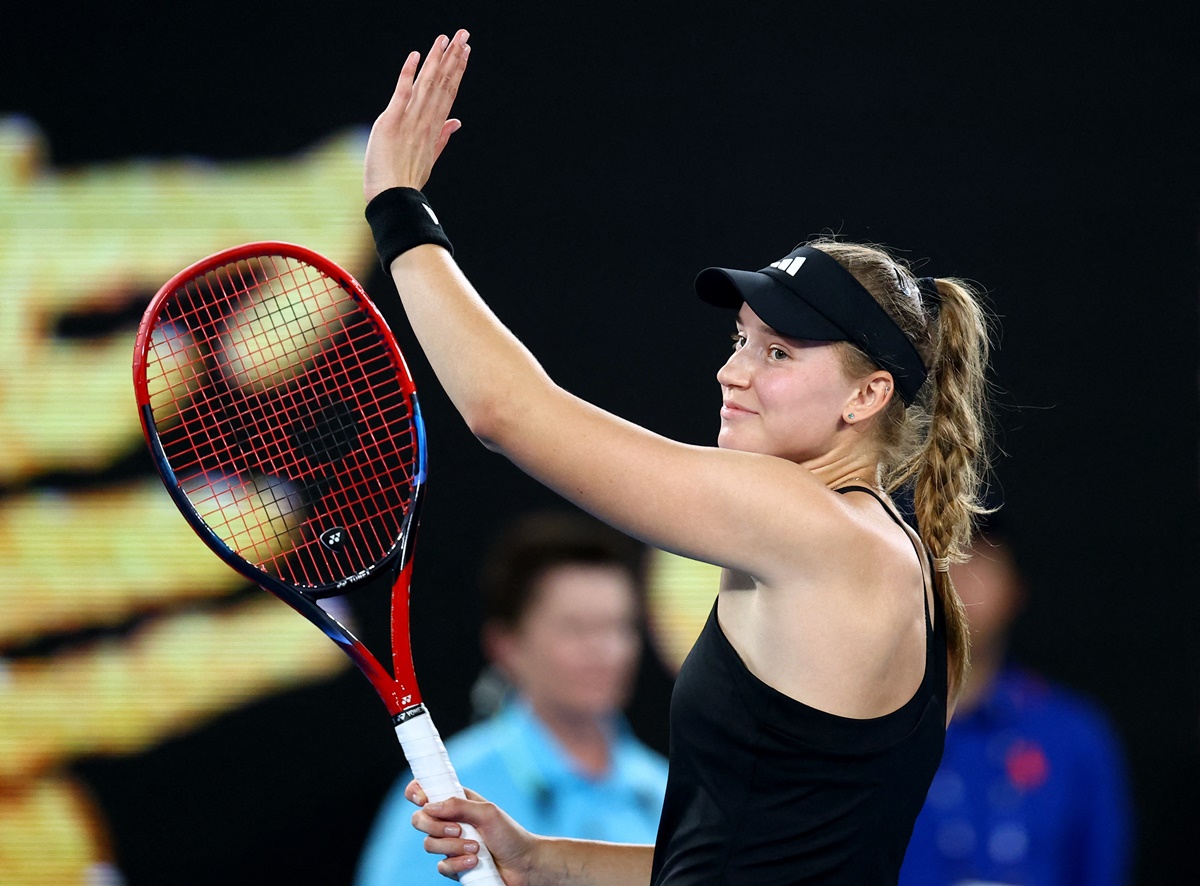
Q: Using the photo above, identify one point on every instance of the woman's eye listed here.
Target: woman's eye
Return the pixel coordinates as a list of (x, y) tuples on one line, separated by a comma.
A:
[(738, 340), (778, 354)]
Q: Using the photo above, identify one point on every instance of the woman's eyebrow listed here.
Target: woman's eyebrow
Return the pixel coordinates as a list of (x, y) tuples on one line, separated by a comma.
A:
[(772, 332)]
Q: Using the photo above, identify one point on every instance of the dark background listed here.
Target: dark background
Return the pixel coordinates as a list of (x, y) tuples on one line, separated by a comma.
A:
[(611, 151)]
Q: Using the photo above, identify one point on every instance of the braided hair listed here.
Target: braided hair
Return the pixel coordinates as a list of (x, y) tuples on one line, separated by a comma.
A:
[(939, 445)]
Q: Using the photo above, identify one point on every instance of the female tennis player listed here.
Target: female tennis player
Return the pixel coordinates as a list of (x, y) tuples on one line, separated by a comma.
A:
[(808, 720)]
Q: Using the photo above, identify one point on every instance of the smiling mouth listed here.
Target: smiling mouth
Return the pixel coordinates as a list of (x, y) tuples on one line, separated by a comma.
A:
[(730, 409)]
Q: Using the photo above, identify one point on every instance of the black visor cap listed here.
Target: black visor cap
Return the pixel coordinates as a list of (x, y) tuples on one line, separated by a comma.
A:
[(809, 295)]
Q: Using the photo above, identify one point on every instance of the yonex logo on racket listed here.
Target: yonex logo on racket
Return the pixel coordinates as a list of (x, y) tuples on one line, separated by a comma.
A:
[(343, 417), (358, 576), (334, 538), (789, 265)]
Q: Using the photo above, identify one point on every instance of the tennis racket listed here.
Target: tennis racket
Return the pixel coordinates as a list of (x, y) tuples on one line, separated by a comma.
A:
[(285, 425)]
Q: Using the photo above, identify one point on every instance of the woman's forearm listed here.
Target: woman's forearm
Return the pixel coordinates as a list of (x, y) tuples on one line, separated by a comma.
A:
[(565, 862), (482, 366)]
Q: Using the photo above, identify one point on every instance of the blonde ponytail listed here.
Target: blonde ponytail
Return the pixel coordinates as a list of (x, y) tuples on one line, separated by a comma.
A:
[(938, 445), (949, 470)]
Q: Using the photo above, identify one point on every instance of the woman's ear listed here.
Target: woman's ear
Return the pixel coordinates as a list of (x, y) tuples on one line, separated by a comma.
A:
[(871, 397)]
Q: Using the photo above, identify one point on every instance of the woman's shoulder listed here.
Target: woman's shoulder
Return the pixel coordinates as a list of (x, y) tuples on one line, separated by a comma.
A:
[(864, 551)]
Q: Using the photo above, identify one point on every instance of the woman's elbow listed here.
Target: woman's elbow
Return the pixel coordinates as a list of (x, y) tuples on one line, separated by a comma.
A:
[(487, 421), (500, 421)]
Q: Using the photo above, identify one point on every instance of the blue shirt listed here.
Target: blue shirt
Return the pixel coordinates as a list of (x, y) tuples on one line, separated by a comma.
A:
[(514, 761), (1031, 791)]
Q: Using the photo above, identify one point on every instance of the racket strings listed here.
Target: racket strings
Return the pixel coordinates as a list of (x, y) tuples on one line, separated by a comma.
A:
[(286, 418)]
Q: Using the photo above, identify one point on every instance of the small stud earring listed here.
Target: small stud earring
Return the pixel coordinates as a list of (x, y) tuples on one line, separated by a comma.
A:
[(850, 417)]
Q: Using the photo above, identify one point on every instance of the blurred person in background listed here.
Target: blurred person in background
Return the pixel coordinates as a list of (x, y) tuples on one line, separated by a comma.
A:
[(1032, 787), (564, 608)]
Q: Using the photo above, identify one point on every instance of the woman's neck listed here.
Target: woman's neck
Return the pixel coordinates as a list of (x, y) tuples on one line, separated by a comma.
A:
[(840, 469), (860, 475)]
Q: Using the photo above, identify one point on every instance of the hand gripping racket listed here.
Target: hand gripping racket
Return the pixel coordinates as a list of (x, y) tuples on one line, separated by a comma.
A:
[(284, 422)]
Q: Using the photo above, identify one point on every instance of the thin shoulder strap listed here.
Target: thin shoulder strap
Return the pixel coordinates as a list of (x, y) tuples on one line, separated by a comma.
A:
[(913, 539), (879, 498)]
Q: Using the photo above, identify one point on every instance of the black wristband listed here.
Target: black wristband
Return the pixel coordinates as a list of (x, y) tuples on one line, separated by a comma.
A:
[(400, 218)]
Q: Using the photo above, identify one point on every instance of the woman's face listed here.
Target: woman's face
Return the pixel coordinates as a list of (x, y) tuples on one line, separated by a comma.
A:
[(574, 653), (781, 396)]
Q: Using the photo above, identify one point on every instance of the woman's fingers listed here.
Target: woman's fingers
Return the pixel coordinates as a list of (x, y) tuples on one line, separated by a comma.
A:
[(414, 794), (417, 797), (460, 855), (433, 58), (448, 129), (411, 133), (512, 847), (404, 84), (459, 864), (438, 81), (451, 847), (441, 819), (445, 838)]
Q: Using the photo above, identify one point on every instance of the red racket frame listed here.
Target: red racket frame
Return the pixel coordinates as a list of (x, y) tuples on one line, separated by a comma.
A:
[(398, 690)]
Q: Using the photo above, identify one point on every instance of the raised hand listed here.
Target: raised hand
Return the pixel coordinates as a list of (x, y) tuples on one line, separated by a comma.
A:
[(409, 136)]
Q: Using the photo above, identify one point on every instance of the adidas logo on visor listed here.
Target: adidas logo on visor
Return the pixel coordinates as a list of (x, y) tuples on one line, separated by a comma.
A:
[(789, 265)]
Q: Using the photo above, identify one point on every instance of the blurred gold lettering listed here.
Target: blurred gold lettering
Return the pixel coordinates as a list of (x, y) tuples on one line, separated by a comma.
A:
[(83, 552)]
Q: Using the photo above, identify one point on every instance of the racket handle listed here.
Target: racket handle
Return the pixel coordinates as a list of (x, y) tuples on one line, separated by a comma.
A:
[(431, 767)]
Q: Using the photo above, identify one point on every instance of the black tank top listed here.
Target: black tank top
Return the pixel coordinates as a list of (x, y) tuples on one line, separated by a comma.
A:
[(768, 791)]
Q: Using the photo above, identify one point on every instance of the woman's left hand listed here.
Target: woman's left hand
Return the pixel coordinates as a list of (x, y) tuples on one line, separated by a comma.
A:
[(408, 137)]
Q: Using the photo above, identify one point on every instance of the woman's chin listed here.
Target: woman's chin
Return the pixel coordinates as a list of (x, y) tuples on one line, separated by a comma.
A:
[(731, 440)]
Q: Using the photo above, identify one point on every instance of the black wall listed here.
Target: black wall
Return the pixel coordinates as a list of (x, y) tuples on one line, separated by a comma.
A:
[(609, 152)]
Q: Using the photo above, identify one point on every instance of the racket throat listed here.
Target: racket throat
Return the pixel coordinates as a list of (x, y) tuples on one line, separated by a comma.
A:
[(409, 713)]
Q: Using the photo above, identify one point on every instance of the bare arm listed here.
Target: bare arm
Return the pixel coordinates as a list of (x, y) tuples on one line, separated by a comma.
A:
[(699, 501), (702, 502), (522, 858), (591, 863)]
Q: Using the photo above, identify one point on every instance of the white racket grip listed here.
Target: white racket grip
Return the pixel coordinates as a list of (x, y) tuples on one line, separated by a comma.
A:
[(431, 768)]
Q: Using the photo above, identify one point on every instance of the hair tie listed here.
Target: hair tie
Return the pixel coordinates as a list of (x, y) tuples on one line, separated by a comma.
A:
[(941, 564)]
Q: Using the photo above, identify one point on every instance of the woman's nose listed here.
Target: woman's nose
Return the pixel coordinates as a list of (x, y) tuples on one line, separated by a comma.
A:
[(733, 374)]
